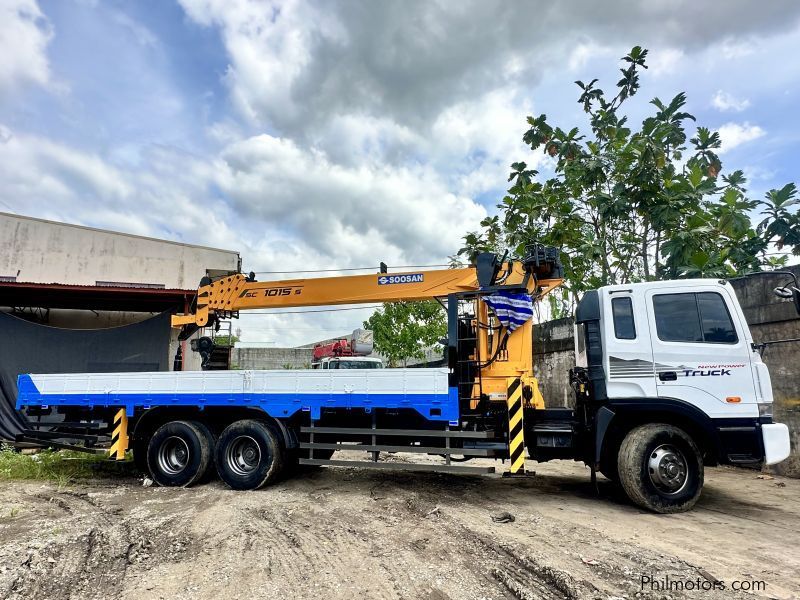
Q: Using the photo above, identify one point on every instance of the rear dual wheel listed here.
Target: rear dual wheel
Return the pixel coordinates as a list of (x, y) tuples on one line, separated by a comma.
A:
[(249, 455), (180, 453)]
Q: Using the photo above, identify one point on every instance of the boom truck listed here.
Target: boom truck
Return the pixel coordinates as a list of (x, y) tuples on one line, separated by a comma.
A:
[(346, 353), (666, 380)]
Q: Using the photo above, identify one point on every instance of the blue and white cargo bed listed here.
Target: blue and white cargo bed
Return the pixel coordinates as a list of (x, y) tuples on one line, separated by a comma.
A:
[(280, 393)]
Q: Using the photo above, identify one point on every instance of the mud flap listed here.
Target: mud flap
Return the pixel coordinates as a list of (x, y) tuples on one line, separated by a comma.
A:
[(602, 421)]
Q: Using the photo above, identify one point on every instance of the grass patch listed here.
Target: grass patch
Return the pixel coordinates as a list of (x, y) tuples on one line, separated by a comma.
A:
[(59, 465)]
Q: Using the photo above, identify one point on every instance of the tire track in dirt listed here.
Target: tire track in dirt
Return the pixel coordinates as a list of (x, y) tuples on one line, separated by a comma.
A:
[(346, 533), (93, 560), (619, 564), (340, 553), (521, 577)]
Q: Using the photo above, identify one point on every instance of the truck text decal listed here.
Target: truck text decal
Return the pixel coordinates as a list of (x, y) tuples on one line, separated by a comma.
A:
[(706, 373), (407, 278), (716, 370)]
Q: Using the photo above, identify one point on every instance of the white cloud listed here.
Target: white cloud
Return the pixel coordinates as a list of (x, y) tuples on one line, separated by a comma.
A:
[(736, 48), (359, 132), (30, 162), (736, 134), (24, 35), (53, 180), (665, 62), (281, 206), (140, 33), (476, 140), (348, 212), (725, 102), (586, 51), (297, 65)]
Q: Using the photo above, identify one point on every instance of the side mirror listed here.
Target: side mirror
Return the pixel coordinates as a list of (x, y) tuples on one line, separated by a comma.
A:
[(789, 292)]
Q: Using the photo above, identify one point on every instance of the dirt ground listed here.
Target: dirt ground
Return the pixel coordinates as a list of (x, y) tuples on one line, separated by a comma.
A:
[(348, 533)]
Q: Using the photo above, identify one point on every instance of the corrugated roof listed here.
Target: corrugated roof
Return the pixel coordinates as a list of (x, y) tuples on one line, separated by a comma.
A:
[(92, 297)]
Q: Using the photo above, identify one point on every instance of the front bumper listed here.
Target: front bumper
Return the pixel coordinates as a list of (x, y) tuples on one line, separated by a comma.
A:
[(776, 442), (752, 442)]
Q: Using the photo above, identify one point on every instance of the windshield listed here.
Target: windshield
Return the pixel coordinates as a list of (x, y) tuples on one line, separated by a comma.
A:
[(354, 364)]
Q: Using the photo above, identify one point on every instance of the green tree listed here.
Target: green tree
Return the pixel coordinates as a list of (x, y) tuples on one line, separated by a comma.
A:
[(226, 340), (629, 205), (405, 330), (780, 226)]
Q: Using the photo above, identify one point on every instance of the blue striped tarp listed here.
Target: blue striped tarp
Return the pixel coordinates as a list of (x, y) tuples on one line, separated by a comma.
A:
[(513, 309)]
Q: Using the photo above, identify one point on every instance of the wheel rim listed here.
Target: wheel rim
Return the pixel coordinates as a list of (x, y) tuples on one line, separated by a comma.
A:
[(668, 469), (173, 455), (243, 455)]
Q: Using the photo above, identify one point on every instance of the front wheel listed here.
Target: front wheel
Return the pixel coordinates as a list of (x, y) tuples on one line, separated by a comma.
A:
[(660, 468), (249, 455)]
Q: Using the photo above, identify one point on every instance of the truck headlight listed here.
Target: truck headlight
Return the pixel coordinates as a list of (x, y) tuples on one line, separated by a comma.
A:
[(765, 409)]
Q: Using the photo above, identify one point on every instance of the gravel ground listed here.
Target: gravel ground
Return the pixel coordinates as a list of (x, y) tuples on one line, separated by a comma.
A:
[(351, 533)]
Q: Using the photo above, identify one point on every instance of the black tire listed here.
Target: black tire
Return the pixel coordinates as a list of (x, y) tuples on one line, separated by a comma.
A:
[(249, 455), (210, 471), (660, 468), (179, 453)]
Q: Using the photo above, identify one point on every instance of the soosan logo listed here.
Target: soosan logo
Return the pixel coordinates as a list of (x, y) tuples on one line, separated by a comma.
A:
[(407, 278)]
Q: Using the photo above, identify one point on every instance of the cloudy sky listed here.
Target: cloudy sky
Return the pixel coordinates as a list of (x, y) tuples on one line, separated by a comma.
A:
[(332, 134)]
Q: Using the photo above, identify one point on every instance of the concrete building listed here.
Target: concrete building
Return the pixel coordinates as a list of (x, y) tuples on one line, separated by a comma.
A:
[(80, 277)]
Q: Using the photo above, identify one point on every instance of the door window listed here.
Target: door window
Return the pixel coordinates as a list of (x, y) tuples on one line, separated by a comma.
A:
[(715, 318), (622, 311), (693, 317)]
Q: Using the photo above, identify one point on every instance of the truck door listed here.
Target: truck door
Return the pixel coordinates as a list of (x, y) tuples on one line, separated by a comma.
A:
[(700, 349), (630, 369)]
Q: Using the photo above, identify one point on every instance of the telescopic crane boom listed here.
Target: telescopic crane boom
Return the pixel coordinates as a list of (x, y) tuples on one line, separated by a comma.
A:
[(484, 355)]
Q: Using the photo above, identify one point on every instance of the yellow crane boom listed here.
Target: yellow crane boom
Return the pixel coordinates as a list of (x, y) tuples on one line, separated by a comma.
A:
[(236, 292), (491, 361)]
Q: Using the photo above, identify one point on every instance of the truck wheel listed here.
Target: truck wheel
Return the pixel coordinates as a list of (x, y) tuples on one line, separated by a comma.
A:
[(660, 468), (179, 453), (210, 472), (249, 455)]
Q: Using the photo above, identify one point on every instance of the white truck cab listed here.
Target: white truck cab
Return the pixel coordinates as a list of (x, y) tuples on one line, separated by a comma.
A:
[(680, 354), (348, 362)]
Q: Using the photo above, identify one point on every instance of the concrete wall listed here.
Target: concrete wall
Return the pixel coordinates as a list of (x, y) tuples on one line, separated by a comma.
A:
[(271, 358), (295, 358), (769, 318), (40, 251), (553, 357)]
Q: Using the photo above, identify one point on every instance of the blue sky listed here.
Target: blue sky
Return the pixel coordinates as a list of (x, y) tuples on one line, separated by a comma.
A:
[(339, 134)]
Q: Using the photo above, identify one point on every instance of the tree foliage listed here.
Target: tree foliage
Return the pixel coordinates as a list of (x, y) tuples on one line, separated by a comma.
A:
[(405, 330), (630, 205), (226, 340)]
